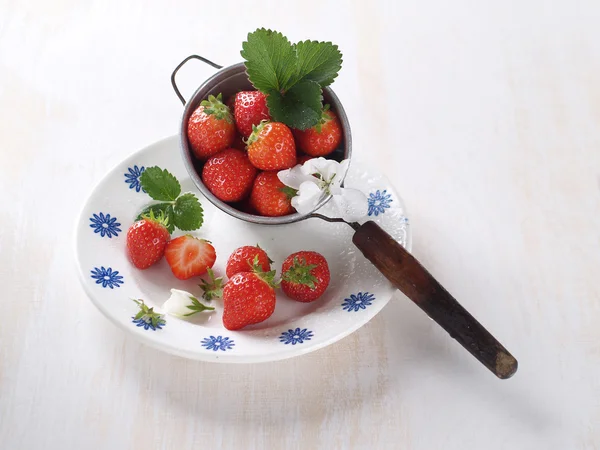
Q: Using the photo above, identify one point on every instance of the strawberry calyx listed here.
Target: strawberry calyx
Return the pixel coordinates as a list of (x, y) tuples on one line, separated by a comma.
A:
[(268, 257), (300, 273), (214, 106), (213, 288), (147, 314), (161, 218), (324, 119), (267, 277), (256, 129), (289, 192)]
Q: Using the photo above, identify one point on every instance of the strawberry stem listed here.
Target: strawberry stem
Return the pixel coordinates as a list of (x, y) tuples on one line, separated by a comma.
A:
[(300, 273)]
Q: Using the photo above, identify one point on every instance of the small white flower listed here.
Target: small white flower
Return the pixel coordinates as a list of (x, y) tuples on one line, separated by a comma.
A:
[(178, 303), (183, 304), (318, 178)]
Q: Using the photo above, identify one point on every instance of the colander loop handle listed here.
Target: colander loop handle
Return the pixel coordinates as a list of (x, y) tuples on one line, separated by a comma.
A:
[(201, 58)]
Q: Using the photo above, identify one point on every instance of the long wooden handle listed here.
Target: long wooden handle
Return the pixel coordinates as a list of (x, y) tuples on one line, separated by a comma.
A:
[(410, 277)]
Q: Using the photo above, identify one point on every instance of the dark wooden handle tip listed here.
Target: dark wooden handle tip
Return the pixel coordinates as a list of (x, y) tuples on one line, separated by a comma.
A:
[(411, 278)]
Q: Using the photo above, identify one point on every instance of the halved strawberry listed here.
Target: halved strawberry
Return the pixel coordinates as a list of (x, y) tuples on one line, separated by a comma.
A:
[(189, 256)]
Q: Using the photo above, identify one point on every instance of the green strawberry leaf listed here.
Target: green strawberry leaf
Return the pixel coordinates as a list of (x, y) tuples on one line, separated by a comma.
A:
[(291, 75), (317, 61), (270, 60), (300, 107), (188, 213), (166, 209), (160, 184)]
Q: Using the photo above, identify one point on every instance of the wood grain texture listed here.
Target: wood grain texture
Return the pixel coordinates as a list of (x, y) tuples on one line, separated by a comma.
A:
[(409, 276), (485, 115)]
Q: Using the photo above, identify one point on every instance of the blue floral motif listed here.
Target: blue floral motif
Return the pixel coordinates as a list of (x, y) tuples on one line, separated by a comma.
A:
[(105, 225), (107, 277), (379, 202), (146, 322), (296, 336), (358, 301), (133, 177), (218, 343)]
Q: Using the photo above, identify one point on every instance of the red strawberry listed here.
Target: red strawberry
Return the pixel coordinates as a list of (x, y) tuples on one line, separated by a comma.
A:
[(323, 138), (229, 175), (270, 197), (244, 258), (189, 256), (271, 147), (210, 128), (305, 276), (146, 240), (250, 108), (248, 298), (303, 158)]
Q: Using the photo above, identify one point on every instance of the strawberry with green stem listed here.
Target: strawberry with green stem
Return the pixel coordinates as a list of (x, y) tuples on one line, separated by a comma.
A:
[(210, 127), (243, 259), (147, 239), (249, 298), (305, 276), (270, 197), (271, 146)]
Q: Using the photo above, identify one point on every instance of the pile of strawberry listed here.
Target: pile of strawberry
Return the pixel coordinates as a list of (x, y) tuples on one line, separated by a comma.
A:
[(243, 149), (249, 296)]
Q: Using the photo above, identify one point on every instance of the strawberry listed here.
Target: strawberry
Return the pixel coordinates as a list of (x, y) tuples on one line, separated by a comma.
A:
[(210, 128), (270, 197), (323, 138), (271, 146), (147, 239), (229, 175), (250, 109), (305, 276), (248, 298), (244, 258), (189, 256), (303, 158)]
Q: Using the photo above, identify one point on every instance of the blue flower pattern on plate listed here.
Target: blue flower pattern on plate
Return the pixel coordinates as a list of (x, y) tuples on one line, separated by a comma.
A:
[(105, 225), (133, 177), (218, 343), (146, 322), (379, 202), (107, 277), (358, 301), (296, 336)]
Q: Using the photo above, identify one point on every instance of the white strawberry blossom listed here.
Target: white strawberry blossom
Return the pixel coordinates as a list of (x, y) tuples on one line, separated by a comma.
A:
[(177, 304), (318, 178)]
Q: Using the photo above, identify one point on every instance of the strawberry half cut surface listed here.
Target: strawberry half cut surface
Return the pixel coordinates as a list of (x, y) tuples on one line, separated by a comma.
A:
[(189, 256)]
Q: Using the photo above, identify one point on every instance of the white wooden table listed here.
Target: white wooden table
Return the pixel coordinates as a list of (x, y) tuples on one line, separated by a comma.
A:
[(485, 114)]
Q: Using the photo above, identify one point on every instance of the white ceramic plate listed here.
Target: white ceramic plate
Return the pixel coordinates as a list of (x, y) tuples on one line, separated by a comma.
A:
[(357, 291)]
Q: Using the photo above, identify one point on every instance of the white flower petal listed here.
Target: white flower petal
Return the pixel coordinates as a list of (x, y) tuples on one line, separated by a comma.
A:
[(351, 203), (178, 303), (295, 176), (309, 195)]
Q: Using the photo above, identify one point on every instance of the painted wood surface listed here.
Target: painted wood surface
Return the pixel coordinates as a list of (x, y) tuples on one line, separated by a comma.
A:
[(485, 114)]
